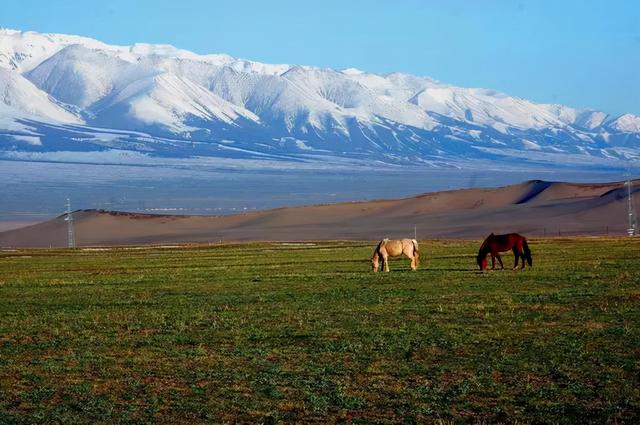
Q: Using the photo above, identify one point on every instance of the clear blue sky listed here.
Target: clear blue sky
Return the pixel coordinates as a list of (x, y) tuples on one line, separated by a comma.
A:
[(580, 53)]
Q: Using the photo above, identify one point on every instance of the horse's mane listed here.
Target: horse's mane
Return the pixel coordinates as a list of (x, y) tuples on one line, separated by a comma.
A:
[(377, 251), (486, 242)]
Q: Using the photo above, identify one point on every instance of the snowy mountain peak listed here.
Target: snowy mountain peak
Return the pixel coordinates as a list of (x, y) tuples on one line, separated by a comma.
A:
[(352, 71), (628, 123)]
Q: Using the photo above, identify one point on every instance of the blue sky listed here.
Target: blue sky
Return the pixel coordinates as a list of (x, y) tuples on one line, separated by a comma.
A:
[(579, 53)]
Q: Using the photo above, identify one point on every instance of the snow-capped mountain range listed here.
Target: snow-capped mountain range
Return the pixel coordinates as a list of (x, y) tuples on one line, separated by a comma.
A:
[(63, 93)]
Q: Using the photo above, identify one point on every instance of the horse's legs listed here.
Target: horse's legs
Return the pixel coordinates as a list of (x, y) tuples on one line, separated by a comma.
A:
[(500, 261), (516, 254), (409, 254), (493, 261), (385, 261)]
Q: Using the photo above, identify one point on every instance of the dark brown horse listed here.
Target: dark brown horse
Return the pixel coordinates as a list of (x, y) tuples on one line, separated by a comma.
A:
[(494, 244)]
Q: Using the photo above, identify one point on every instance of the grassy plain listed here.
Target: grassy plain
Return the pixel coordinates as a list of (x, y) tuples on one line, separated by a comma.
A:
[(305, 333)]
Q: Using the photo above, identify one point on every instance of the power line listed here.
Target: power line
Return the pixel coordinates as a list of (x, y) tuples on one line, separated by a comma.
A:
[(631, 214), (70, 230)]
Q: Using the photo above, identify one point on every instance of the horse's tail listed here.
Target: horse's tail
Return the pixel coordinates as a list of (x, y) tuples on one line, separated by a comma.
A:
[(527, 252), (416, 251)]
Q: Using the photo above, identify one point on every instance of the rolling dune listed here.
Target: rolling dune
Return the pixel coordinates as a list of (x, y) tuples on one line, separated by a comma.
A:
[(535, 208)]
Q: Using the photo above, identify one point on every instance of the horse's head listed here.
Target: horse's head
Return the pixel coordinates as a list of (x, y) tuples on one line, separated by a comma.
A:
[(481, 259), (375, 262)]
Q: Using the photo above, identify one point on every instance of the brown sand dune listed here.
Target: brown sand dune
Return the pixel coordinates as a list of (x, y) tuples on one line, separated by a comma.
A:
[(534, 208)]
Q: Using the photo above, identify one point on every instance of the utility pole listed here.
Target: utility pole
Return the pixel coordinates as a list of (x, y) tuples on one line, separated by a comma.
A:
[(70, 231), (632, 225), (415, 232)]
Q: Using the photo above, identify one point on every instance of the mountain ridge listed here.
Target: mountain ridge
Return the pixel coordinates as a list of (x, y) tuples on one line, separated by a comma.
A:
[(163, 91)]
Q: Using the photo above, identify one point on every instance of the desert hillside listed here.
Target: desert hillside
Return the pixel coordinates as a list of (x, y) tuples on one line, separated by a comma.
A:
[(535, 208)]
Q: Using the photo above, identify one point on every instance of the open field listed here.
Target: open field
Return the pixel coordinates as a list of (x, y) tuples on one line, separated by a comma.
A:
[(303, 332)]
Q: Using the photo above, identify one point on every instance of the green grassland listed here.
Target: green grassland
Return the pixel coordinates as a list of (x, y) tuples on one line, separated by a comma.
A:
[(305, 333)]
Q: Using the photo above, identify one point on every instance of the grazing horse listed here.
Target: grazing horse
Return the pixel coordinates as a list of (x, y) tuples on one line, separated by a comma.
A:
[(394, 248), (494, 244)]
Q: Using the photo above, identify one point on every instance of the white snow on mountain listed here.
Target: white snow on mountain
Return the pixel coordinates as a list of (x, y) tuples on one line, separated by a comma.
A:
[(19, 97), (22, 51), (627, 123), (166, 100), (485, 107), (81, 76), (160, 95)]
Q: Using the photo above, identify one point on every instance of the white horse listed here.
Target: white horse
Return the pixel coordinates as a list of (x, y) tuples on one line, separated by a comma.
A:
[(395, 248)]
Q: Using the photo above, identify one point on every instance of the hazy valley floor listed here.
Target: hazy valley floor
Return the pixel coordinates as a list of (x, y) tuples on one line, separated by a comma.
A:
[(37, 191)]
